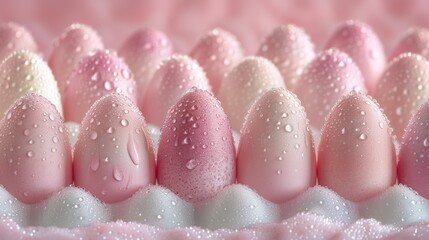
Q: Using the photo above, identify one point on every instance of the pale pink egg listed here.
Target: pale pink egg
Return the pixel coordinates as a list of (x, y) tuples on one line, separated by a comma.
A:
[(362, 44), (276, 156), (15, 37), (217, 52), (76, 42), (413, 165), (356, 155), (25, 72), (290, 49), (331, 75), (113, 156), (244, 84), (36, 160), (173, 79), (97, 75), (415, 40), (143, 51), (403, 88)]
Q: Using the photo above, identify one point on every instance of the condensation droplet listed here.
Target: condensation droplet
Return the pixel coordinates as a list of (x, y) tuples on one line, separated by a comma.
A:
[(94, 164), (30, 154), (363, 137), (26, 132), (133, 150), (110, 130), (191, 164), (117, 174), (288, 128), (124, 122), (426, 142), (186, 141), (93, 135)]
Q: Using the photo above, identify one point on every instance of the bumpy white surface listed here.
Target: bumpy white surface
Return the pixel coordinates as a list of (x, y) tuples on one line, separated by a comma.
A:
[(235, 207)]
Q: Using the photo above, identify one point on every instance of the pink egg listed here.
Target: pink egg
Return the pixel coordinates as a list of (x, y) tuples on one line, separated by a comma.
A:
[(15, 37), (402, 89), (413, 165), (173, 79), (276, 156), (36, 160), (76, 42), (290, 49), (143, 51), (356, 155), (244, 84), (113, 156), (361, 43), (25, 72), (217, 52), (415, 40), (331, 75), (196, 154), (97, 75)]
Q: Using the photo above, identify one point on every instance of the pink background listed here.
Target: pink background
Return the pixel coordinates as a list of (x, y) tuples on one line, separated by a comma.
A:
[(185, 20)]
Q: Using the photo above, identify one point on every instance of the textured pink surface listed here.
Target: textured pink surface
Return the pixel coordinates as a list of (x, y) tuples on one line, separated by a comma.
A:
[(347, 162), (36, 160), (196, 154), (413, 165), (331, 75), (113, 156), (276, 154)]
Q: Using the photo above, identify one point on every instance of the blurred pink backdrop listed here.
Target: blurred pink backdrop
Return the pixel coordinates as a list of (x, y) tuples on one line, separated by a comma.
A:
[(185, 20)]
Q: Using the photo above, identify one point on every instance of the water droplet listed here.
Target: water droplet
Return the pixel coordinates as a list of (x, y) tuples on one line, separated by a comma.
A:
[(94, 164), (93, 135), (159, 216), (124, 122), (288, 128), (108, 85), (30, 154), (426, 142), (133, 150), (55, 139), (279, 172), (110, 130), (95, 76), (51, 117), (363, 137), (343, 131), (398, 111), (191, 164), (125, 73), (186, 141), (117, 174), (381, 125), (26, 132)]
